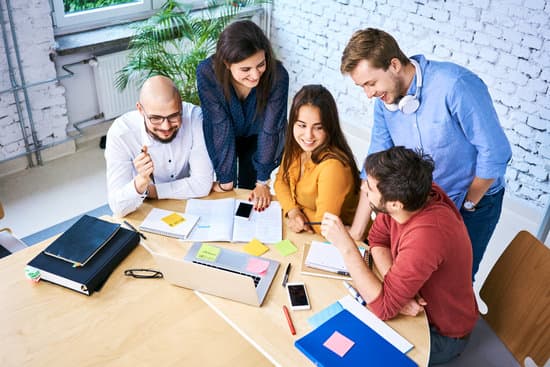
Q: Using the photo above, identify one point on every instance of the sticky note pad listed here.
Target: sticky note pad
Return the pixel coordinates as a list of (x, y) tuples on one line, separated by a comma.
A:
[(257, 266), (339, 344), (173, 219), (208, 252), (285, 247), (255, 248)]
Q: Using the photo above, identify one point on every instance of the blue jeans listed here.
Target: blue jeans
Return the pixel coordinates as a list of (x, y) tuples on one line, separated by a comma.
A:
[(481, 224), (444, 348)]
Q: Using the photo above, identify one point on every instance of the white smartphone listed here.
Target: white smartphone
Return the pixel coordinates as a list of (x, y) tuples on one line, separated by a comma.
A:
[(297, 295)]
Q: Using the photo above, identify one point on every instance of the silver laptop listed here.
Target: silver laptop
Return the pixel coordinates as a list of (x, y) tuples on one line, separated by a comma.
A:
[(225, 277)]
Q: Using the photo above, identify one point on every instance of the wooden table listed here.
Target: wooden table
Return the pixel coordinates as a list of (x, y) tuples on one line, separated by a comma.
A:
[(265, 327), (130, 322), (144, 322)]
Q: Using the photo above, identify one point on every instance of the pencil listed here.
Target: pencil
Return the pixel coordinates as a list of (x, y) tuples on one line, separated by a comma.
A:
[(289, 320), (313, 223)]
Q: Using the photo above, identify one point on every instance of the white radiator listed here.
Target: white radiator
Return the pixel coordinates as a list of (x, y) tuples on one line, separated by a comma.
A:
[(112, 102)]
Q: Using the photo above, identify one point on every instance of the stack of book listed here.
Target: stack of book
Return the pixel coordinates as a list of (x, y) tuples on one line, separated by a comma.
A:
[(84, 256)]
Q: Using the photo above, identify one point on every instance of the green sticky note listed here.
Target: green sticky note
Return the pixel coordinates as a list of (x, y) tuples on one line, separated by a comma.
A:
[(208, 252), (285, 247)]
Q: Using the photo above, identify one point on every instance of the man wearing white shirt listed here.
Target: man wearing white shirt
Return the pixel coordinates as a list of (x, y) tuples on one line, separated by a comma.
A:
[(158, 151)]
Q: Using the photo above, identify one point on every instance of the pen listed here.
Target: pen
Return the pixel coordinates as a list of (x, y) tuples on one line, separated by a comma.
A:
[(135, 230), (289, 320), (340, 272), (313, 223), (287, 272), (354, 293)]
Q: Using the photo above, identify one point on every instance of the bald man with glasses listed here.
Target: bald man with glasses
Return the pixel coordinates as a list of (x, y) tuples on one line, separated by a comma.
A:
[(157, 151)]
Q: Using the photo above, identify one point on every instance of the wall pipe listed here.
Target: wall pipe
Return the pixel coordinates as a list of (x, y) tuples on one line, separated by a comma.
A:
[(36, 142), (14, 84)]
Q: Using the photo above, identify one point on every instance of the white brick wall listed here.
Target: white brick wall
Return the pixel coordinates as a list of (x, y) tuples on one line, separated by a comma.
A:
[(34, 33), (506, 43)]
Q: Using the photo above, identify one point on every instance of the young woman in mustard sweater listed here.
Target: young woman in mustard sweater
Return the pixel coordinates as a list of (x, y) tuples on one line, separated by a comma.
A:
[(318, 173)]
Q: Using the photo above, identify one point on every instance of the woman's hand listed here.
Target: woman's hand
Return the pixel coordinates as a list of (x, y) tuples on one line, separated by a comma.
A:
[(260, 197), (218, 187), (296, 221)]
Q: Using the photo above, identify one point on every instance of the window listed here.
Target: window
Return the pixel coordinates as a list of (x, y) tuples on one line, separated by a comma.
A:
[(77, 15)]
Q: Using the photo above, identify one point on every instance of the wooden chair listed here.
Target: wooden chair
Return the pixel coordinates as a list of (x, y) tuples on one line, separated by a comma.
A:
[(517, 295)]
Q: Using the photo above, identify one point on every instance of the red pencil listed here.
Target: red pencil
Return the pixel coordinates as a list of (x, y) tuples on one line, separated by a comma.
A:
[(289, 320)]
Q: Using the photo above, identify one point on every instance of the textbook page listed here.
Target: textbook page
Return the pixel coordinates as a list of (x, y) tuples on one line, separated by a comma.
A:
[(216, 219), (266, 226)]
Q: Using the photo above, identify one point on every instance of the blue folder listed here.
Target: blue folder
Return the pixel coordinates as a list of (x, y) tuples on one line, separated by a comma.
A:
[(370, 349)]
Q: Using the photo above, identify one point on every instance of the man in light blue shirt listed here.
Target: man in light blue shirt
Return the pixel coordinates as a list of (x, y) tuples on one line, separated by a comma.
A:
[(443, 109)]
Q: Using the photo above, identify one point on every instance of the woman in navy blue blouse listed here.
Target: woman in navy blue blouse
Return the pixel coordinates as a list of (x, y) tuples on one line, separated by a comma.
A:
[(243, 91)]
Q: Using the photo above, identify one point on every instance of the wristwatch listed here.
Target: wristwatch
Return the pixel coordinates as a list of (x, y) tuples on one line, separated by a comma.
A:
[(264, 183), (469, 205)]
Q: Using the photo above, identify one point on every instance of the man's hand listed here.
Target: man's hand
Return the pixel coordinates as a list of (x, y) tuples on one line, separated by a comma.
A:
[(296, 221), (144, 167), (260, 197), (334, 230), (414, 307)]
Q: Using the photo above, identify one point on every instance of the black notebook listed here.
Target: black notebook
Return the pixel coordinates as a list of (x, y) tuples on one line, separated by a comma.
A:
[(86, 279), (82, 240)]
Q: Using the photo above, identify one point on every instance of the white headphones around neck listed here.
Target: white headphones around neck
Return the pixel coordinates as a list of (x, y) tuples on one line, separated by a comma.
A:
[(409, 103)]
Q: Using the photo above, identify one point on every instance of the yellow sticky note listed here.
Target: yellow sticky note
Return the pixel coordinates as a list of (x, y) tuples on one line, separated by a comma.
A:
[(255, 248), (285, 247), (208, 252), (173, 219)]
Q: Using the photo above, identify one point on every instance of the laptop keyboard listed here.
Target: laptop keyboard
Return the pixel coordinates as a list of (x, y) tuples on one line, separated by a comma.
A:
[(254, 277)]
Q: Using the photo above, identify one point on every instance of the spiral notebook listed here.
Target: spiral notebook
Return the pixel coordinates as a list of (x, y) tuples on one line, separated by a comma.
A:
[(169, 223)]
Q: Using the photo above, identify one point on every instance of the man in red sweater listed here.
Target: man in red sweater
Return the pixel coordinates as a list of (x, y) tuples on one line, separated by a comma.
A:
[(419, 244)]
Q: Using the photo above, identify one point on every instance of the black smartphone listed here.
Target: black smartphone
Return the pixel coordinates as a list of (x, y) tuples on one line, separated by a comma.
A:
[(244, 210), (297, 296)]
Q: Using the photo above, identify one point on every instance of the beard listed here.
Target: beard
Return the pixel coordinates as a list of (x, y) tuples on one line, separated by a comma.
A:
[(397, 92), (162, 140), (378, 209)]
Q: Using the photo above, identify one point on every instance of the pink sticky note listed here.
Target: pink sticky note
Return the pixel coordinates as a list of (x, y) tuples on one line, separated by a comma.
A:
[(257, 266), (339, 344)]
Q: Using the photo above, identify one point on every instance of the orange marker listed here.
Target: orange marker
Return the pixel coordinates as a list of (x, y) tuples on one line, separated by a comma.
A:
[(289, 320)]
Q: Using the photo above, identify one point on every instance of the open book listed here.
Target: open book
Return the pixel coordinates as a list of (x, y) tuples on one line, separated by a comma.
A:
[(218, 222)]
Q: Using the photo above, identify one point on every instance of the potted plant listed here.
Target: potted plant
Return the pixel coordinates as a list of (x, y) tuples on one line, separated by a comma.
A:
[(174, 40)]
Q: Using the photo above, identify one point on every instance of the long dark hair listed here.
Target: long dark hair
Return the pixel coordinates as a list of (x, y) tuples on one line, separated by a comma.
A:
[(403, 175), (335, 144), (238, 41)]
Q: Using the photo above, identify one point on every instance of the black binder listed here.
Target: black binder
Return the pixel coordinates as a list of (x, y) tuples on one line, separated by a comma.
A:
[(90, 277), (82, 240)]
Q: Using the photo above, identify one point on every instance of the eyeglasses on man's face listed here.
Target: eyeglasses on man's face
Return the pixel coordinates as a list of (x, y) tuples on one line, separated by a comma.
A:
[(174, 118)]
